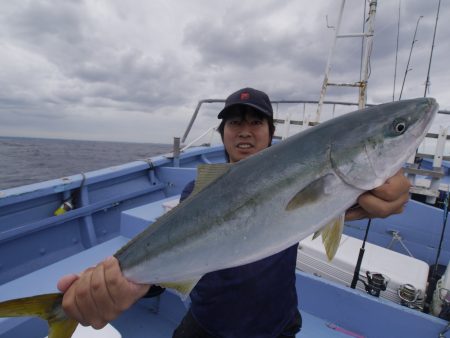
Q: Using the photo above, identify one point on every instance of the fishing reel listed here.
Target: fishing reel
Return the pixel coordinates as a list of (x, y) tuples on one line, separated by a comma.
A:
[(376, 282), (410, 296), (444, 296)]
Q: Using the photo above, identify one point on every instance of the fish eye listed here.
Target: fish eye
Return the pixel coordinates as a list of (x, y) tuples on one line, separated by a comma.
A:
[(399, 126)]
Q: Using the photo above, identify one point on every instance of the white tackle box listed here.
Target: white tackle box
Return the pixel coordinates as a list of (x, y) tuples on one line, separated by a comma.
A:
[(398, 268)]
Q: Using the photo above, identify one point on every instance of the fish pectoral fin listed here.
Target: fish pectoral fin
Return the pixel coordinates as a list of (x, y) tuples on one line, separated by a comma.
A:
[(311, 193), (331, 236), (62, 328), (208, 173), (182, 288), (48, 307)]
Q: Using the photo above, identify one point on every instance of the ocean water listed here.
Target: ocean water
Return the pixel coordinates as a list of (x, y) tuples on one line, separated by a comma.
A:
[(30, 160)]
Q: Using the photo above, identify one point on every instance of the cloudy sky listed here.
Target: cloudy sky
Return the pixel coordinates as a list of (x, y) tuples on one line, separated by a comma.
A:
[(135, 70)]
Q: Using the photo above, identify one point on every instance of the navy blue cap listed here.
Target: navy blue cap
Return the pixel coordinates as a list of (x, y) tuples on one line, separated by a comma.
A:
[(249, 97)]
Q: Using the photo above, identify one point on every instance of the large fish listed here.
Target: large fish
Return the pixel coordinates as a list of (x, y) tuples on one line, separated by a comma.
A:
[(259, 206)]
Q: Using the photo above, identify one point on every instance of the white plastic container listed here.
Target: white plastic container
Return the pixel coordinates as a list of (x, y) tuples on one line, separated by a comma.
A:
[(441, 293), (398, 268)]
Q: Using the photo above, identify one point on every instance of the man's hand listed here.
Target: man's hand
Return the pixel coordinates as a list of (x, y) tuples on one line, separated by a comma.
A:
[(100, 294), (386, 200)]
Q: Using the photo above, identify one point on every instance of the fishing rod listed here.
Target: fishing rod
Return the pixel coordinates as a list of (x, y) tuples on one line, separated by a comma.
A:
[(396, 50), (376, 282), (444, 225), (434, 275), (360, 257), (427, 82), (409, 58)]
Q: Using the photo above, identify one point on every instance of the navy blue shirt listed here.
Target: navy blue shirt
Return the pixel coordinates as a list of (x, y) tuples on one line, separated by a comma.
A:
[(253, 300)]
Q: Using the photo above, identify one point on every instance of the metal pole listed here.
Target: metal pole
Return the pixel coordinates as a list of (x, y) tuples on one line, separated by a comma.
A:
[(328, 66), (367, 52), (176, 151), (362, 41), (194, 116), (191, 122)]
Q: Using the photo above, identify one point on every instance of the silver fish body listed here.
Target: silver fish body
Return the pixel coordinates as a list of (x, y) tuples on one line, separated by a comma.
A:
[(273, 199)]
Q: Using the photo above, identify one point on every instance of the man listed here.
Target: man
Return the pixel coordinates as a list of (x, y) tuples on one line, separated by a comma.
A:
[(254, 300)]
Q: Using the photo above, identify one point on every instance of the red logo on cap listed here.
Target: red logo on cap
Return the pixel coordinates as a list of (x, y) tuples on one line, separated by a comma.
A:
[(245, 96)]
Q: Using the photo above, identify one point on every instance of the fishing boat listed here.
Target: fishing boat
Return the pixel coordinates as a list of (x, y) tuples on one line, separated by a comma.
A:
[(110, 206), (65, 225)]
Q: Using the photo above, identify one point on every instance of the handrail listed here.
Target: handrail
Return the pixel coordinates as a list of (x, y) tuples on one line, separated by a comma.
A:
[(198, 138), (276, 102), (194, 116), (201, 102)]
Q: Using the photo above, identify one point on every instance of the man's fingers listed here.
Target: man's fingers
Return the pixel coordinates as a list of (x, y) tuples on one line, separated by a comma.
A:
[(99, 294), (71, 285), (377, 207), (117, 284), (66, 281), (356, 213), (105, 308), (83, 299), (70, 306), (388, 199), (394, 187)]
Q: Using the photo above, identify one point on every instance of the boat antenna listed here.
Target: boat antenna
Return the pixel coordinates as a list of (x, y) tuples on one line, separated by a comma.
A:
[(362, 42), (409, 58), (396, 49), (427, 82)]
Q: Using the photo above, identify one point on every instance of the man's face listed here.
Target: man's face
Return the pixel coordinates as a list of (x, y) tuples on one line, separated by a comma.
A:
[(245, 133)]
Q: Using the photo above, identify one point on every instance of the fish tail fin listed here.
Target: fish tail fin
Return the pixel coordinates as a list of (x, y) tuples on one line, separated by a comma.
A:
[(47, 307), (331, 236)]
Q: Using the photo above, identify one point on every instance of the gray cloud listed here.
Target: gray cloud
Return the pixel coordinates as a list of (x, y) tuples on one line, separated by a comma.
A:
[(69, 64), (93, 71)]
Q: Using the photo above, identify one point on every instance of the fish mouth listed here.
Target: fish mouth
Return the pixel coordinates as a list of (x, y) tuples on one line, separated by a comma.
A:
[(421, 129)]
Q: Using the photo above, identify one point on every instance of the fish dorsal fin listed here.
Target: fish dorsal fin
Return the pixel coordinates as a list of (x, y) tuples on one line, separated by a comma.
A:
[(182, 288), (331, 235), (311, 193), (208, 173)]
